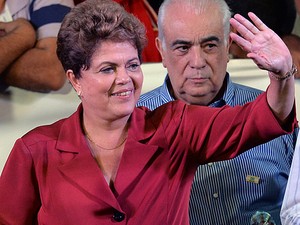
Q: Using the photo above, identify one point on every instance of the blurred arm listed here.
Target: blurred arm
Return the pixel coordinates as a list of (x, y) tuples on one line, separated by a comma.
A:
[(38, 69), (16, 37)]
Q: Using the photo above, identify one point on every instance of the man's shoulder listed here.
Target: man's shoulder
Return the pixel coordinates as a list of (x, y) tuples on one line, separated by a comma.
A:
[(246, 89), (155, 93), (243, 93), (154, 98)]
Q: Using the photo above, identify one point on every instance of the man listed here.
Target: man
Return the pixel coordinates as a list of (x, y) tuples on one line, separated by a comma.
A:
[(278, 15), (28, 30), (194, 44)]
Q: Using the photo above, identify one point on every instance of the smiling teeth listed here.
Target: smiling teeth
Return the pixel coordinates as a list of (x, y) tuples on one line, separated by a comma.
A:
[(122, 94)]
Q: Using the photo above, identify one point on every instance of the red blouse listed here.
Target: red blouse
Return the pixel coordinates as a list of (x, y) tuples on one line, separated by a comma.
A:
[(51, 176)]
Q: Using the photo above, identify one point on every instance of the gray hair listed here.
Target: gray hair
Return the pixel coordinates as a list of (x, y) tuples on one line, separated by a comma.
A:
[(199, 6)]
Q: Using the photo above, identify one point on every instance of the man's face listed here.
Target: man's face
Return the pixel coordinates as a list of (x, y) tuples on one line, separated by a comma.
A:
[(195, 53)]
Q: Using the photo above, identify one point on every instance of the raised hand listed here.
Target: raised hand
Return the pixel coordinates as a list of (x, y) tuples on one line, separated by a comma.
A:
[(263, 45)]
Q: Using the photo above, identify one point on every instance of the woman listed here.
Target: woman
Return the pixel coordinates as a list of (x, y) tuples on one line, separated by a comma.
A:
[(111, 162)]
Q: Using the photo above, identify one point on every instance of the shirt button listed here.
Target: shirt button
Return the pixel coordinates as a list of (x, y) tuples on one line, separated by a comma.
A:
[(118, 216), (215, 195)]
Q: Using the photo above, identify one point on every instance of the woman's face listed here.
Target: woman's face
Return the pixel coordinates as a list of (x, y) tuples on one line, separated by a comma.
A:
[(112, 85)]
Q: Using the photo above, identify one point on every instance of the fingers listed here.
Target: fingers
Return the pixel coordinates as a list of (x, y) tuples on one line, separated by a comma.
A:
[(245, 28), (245, 25), (244, 44), (258, 23), (261, 43), (247, 31), (242, 36)]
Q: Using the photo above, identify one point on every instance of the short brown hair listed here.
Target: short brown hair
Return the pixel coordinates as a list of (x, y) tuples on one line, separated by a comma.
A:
[(90, 23)]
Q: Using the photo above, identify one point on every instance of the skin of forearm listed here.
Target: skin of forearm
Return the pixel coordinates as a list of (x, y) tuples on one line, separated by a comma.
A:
[(281, 93), (17, 37), (281, 98), (38, 69)]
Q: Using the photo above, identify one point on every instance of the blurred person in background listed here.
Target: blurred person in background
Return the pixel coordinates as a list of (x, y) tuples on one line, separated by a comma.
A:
[(28, 34)]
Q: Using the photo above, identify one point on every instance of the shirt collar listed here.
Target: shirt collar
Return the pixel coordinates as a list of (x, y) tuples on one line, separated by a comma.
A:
[(229, 90), (164, 91), (225, 100)]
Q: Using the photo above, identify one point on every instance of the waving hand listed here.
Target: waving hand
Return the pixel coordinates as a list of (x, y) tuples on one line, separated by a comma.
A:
[(263, 45)]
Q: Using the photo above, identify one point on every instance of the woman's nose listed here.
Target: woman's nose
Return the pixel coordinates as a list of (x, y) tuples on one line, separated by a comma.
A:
[(122, 76)]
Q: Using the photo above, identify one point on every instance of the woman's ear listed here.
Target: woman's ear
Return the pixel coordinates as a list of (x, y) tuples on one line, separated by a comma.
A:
[(74, 81)]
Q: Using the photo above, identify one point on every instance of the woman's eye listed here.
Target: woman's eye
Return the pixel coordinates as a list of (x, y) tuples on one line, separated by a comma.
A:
[(107, 70), (133, 67)]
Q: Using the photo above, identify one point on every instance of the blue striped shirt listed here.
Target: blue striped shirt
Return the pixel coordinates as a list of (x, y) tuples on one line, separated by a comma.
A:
[(230, 192), (45, 15)]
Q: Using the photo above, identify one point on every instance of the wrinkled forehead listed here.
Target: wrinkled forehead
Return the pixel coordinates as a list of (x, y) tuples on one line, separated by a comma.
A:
[(194, 7), (196, 15), (192, 23)]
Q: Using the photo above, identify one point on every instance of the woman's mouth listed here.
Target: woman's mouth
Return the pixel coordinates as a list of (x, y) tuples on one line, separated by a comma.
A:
[(124, 93)]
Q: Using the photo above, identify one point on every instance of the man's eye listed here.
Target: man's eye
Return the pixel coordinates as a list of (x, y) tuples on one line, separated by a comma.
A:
[(210, 47), (183, 48)]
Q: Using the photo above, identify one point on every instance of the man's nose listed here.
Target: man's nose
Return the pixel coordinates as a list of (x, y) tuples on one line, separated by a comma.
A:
[(197, 57)]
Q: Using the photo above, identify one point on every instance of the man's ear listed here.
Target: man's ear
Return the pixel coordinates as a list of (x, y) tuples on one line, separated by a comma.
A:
[(74, 81), (159, 46)]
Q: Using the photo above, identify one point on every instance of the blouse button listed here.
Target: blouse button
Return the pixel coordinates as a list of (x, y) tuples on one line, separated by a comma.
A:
[(118, 216)]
